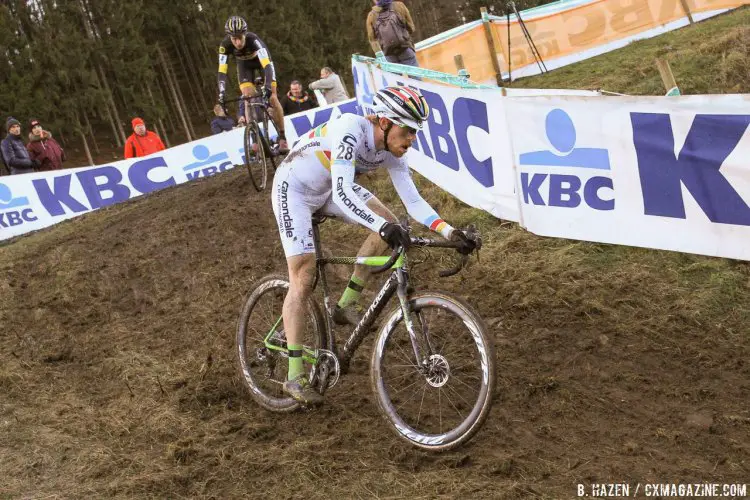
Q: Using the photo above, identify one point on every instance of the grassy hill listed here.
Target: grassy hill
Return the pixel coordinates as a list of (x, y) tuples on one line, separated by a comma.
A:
[(615, 364)]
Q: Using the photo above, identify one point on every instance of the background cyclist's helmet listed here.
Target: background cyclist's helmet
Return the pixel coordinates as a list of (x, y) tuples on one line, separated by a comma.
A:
[(403, 105), (235, 26)]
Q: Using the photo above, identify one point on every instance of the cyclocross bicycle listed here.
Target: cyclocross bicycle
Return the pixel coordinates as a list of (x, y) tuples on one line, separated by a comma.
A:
[(261, 152), (433, 363)]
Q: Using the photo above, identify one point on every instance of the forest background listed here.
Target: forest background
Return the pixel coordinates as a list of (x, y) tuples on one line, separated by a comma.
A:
[(85, 68)]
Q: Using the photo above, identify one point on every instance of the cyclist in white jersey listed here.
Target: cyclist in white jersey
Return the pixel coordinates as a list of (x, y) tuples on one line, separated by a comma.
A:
[(318, 176)]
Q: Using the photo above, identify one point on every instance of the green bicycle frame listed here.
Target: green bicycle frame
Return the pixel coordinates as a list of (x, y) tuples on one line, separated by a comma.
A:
[(311, 355)]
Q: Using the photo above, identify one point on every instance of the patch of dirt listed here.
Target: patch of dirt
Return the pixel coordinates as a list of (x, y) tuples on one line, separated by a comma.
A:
[(118, 374)]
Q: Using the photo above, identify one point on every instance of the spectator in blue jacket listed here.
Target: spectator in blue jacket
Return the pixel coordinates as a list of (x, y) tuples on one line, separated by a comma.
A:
[(222, 122), (14, 151)]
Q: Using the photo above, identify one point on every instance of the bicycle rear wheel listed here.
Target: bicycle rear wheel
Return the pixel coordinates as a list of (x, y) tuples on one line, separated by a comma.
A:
[(441, 401), (264, 370), (255, 156)]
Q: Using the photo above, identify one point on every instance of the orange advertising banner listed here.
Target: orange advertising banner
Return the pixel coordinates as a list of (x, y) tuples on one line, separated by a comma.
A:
[(563, 33)]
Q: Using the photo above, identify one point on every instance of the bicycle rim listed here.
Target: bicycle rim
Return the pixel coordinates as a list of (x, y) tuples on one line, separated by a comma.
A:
[(256, 164), (442, 402), (262, 370)]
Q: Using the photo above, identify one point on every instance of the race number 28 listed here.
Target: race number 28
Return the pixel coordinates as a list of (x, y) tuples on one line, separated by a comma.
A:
[(346, 148)]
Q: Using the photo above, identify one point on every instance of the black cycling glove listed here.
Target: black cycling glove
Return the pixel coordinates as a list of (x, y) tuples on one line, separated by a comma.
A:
[(395, 235)]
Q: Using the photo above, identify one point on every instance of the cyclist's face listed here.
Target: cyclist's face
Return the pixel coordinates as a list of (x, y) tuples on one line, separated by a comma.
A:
[(238, 42), (400, 139)]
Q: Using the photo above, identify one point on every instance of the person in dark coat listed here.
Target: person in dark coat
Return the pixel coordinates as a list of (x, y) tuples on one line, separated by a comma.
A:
[(297, 100), (15, 155), (44, 149), (222, 122)]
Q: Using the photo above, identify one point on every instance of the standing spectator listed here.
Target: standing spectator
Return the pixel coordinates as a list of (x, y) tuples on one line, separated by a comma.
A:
[(142, 142), (4, 169), (330, 84), (14, 152), (389, 24), (297, 100), (44, 149), (222, 122)]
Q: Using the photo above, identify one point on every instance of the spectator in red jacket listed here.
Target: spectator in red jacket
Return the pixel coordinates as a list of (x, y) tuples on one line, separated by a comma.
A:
[(44, 149), (142, 142)]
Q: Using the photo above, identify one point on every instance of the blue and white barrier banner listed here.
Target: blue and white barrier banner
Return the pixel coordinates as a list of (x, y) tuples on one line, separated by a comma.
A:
[(301, 123), (668, 173), (465, 146), (34, 201)]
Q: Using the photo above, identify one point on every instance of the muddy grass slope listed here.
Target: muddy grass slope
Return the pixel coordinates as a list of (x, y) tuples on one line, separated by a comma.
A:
[(118, 377)]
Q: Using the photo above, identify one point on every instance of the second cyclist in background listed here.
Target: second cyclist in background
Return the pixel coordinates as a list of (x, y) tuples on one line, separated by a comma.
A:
[(251, 55)]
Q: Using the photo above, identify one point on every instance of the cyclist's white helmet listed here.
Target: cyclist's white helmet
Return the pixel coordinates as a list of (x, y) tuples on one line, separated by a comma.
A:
[(402, 105)]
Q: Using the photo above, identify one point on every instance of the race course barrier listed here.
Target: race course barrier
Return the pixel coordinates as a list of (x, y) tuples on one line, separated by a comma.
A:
[(34, 201), (669, 173)]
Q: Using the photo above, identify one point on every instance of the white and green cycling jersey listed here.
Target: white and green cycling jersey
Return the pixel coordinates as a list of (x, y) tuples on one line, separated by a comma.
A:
[(318, 176)]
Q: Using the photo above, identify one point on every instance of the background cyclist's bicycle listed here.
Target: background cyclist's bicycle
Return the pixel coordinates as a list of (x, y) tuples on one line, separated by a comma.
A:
[(433, 364), (260, 142)]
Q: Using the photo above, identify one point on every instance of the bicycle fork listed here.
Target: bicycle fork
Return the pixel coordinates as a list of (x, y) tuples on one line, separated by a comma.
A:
[(414, 335)]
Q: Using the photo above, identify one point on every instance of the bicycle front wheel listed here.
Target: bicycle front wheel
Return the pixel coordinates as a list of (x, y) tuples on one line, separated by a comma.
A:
[(441, 400), (263, 370), (255, 156), (271, 150)]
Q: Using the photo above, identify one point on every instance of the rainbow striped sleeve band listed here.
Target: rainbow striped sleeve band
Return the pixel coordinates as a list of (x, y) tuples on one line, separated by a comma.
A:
[(438, 225)]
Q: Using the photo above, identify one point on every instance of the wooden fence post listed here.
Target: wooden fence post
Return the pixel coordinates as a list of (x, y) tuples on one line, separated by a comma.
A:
[(667, 78), (458, 59), (686, 8), (491, 46)]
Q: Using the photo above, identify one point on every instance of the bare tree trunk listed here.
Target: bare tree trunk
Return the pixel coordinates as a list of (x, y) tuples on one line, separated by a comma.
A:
[(177, 86), (79, 129), (183, 103), (208, 51), (86, 148), (167, 102), (173, 88), (207, 84), (194, 74), (181, 59), (90, 132), (163, 133), (108, 112), (111, 100)]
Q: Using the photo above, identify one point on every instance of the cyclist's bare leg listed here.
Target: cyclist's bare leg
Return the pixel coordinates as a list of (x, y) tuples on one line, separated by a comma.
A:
[(247, 91), (301, 276), (278, 111)]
